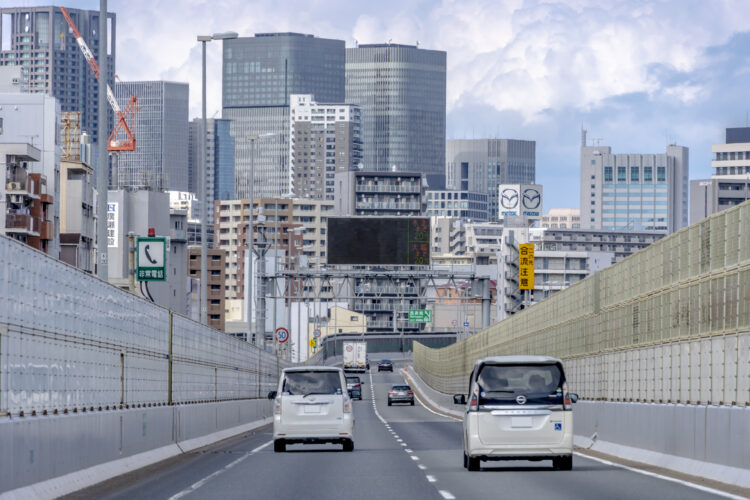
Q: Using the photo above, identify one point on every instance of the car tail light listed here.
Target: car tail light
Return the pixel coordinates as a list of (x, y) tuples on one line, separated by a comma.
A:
[(391, 392), (347, 406), (474, 401), (409, 392), (277, 407), (357, 386), (566, 397)]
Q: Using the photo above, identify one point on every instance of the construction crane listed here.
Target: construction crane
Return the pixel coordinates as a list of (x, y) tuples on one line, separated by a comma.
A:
[(131, 109)]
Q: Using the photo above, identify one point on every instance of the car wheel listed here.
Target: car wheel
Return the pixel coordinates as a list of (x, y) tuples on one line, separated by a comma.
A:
[(348, 445), (412, 402), (472, 463), (563, 463), (279, 446), (466, 461), (390, 404)]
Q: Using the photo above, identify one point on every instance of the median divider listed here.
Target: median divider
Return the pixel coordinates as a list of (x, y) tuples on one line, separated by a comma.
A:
[(429, 397)]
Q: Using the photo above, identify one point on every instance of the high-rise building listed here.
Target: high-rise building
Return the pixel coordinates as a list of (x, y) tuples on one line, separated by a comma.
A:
[(634, 191), (385, 194), (466, 205), (259, 74), (160, 161), (401, 90), (325, 139), (730, 183), (39, 40), (481, 165), (219, 160)]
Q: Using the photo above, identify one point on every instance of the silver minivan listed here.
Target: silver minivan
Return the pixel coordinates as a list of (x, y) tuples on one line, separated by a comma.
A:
[(312, 405), (518, 408)]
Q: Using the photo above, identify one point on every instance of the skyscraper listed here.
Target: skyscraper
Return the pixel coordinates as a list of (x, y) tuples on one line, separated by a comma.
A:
[(634, 191), (481, 165), (160, 160), (219, 160), (401, 91), (326, 138), (39, 40), (258, 76)]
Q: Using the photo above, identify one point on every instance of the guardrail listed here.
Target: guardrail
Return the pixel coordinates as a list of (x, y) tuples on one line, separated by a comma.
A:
[(70, 342), (667, 324)]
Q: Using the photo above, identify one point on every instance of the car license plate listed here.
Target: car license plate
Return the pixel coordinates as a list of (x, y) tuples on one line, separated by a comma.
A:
[(402, 394), (312, 408), (521, 422)]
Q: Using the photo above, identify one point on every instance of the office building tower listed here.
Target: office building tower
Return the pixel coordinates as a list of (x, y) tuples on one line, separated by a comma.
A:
[(39, 40), (219, 161), (729, 184), (482, 165), (325, 139), (258, 76), (465, 205), (160, 161), (634, 191), (401, 90)]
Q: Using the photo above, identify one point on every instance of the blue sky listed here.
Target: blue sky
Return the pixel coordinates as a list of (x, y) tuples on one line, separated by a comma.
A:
[(636, 74)]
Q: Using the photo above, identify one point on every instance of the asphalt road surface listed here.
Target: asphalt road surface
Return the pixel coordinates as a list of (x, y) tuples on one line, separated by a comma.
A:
[(400, 451)]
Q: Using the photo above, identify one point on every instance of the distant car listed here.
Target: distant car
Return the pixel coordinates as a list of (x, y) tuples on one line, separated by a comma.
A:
[(354, 386), (518, 407), (367, 362), (385, 365), (400, 393)]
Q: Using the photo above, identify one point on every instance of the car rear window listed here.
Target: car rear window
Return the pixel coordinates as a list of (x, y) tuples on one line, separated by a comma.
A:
[(352, 379), (386, 361), (540, 384), (401, 388), (311, 382)]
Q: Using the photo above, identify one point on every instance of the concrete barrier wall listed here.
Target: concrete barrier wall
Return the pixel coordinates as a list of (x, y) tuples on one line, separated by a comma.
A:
[(41, 448)]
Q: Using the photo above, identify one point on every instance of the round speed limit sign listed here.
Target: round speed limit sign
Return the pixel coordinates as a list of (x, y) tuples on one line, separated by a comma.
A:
[(282, 334)]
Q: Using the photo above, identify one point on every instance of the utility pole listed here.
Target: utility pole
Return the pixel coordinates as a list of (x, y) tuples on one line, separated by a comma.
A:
[(102, 175)]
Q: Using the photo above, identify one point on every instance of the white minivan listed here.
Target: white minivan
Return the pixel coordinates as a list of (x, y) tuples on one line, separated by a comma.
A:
[(518, 408), (312, 405)]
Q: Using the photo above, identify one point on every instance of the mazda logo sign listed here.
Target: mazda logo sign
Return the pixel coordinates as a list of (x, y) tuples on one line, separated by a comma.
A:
[(521, 400), (509, 198), (531, 198)]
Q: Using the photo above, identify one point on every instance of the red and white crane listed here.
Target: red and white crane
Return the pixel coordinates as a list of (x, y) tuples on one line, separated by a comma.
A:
[(131, 109)]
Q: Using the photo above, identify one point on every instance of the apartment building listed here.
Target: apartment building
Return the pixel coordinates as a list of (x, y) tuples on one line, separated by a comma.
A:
[(215, 269)]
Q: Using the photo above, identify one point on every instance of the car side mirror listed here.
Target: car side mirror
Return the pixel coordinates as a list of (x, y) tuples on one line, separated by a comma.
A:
[(459, 399), (573, 397), (272, 395)]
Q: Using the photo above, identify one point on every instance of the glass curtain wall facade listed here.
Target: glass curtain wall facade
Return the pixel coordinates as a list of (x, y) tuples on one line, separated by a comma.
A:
[(481, 165), (219, 160), (258, 75), (160, 161), (401, 91), (39, 40)]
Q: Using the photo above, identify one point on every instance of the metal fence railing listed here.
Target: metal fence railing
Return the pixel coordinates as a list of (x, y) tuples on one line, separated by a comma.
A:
[(669, 323), (71, 342)]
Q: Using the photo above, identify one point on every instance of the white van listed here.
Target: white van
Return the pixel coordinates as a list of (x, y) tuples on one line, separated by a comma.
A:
[(312, 405), (518, 408)]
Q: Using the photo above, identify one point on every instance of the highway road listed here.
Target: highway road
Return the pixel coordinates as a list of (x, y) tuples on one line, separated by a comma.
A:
[(400, 452)]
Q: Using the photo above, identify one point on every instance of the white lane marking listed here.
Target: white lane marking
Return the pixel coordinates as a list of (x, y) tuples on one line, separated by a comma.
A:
[(414, 457), (403, 444), (422, 467), (447, 495), (431, 478), (206, 479), (400, 440), (407, 450), (666, 478)]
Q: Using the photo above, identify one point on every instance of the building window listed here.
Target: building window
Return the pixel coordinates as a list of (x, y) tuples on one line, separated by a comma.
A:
[(661, 174), (607, 174), (634, 174), (647, 174), (621, 174)]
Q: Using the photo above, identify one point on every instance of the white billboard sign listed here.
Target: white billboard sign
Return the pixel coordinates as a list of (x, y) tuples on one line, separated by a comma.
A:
[(520, 200), (113, 236)]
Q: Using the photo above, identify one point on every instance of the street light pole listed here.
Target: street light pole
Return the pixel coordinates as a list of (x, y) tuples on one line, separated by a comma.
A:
[(251, 244), (204, 191)]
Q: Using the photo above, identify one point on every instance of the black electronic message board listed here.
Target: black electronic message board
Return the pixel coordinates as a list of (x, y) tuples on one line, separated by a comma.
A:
[(400, 241)]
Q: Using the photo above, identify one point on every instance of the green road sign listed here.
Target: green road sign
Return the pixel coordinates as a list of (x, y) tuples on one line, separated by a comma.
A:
[(151, 259), (420, 316)]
